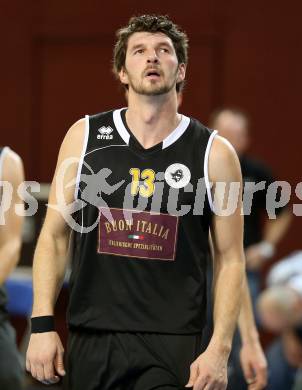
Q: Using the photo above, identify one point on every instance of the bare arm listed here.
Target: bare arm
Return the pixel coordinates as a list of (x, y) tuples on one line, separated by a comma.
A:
[(246, 320), (44, 357), (50, 257), (210, 368), (233, 297), (227, 236), (252, 357), (274, 231), (11, 231)]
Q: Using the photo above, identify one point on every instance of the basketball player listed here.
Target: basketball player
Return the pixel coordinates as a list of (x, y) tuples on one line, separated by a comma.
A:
[(137, 301), (11, 175)]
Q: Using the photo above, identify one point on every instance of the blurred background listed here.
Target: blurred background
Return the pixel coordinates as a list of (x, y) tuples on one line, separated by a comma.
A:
[(56, 59)]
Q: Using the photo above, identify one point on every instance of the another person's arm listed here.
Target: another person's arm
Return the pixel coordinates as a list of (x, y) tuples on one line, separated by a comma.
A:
[(11, 229), (252, 357), (45, 352), (209, 370), (273, 232), (275, 229)]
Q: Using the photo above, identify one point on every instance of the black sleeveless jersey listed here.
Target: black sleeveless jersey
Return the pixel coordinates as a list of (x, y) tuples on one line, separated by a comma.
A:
[(141, 230), (3, 296)]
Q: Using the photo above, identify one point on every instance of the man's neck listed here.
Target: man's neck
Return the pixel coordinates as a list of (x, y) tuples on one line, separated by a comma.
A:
[(152, 118)]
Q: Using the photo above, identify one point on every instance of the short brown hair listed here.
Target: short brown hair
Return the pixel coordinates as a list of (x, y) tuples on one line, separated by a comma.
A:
[(152, 24)]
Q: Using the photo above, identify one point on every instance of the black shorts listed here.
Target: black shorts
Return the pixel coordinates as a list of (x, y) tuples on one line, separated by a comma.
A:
[(129, 361)]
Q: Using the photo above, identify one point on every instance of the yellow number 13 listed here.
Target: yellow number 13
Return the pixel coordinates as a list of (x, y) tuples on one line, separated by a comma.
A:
[(147, 189)]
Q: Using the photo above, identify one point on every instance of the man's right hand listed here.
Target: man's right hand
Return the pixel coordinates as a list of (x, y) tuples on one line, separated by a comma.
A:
[(44, 357), (209, 371)]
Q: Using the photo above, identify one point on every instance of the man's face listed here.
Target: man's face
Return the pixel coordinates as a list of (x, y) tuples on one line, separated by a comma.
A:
[(151, 66), (233, 128)]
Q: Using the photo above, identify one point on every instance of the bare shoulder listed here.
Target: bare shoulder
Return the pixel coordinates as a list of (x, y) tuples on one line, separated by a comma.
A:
[(75, 134), (223, 161), (12, 157), (222, 150), (73, 141), (12, 166), (77, 129)]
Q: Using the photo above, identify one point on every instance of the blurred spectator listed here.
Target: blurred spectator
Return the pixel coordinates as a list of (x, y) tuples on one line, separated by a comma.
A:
[(280, 311), (280, 305), (11, 175)]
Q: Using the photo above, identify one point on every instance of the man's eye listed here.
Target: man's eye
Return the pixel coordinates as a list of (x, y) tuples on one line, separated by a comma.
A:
[(165, 50), (139, 51)]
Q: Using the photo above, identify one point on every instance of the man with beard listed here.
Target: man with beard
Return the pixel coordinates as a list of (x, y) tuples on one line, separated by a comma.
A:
[(138, 292)]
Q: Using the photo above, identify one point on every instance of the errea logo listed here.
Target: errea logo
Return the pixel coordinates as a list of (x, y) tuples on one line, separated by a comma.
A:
[(105, 132)]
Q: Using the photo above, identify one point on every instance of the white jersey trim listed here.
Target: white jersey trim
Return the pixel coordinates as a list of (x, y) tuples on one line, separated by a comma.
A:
[(118, 122), (178, 132), (169, 140), (76, 190), (206, 168), (4, 151), (103, 147)]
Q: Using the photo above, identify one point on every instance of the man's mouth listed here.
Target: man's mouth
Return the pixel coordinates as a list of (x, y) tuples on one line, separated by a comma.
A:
[(153, 74)]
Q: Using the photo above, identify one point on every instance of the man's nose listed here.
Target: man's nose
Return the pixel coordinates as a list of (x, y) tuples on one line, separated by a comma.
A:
[(152, 58)]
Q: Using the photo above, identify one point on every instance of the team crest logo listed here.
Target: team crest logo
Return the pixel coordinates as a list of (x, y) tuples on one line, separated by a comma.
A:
[(177, 175), (105, 133)]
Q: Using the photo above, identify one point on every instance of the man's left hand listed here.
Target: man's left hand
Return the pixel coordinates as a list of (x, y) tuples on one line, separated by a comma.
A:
[(254, 365)]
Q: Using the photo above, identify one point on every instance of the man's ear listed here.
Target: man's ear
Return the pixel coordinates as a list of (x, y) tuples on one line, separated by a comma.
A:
[(181, 72), (123, 75)]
